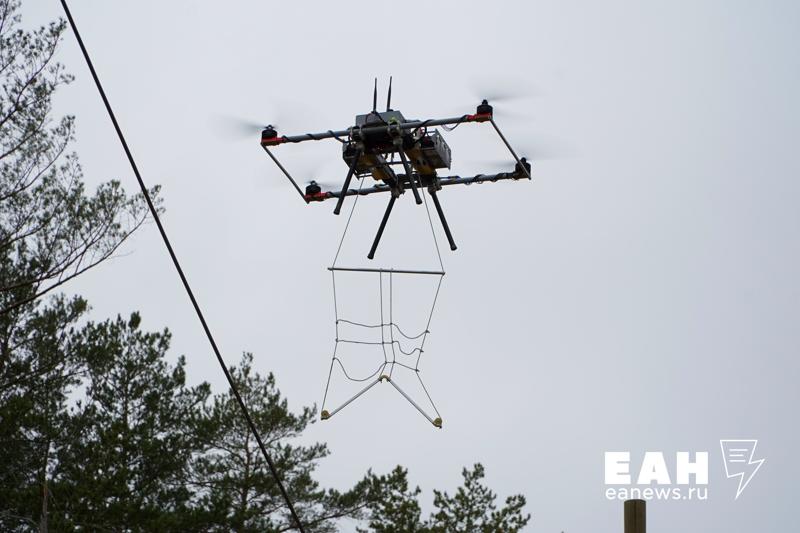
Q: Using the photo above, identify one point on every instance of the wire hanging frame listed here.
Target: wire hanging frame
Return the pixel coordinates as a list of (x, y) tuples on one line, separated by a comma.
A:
[(392, 336)]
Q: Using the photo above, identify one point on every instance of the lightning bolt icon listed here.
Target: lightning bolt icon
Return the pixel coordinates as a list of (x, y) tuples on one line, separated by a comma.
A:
[(739, 460)]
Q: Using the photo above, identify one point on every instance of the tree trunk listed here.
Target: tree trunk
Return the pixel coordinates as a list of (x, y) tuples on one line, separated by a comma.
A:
[(45, 494)]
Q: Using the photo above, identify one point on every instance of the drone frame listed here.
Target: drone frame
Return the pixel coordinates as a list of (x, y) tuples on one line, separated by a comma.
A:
[(411, 179)]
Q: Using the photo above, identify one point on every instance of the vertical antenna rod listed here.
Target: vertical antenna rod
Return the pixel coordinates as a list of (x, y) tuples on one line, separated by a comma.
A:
[(185, 282), (375, 97), (389, 97)]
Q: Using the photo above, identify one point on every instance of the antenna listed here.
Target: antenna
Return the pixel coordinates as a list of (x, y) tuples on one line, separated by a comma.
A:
[(389, 98), (375, 97)]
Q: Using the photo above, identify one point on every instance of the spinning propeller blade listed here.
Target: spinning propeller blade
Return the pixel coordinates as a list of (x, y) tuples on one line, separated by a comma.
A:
[(236, 128), (502, 90), (286, 116), (499, 93), (534, 148)]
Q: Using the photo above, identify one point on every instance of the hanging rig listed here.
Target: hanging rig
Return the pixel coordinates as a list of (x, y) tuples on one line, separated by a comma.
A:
[(393, 345), (399, 154), (393, 352)]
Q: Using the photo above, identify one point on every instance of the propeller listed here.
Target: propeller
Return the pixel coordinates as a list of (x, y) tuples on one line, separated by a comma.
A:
[(285, 117), (236, 128), (502, 110), (533, 150), (325, 185), (502, 90), (506, 96), (315, 187)]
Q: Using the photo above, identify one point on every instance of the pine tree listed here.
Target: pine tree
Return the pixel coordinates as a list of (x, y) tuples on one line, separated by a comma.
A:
[(133, 435), (472, 508), (393, 507), (237, 491), (39, 372), (51, 231)]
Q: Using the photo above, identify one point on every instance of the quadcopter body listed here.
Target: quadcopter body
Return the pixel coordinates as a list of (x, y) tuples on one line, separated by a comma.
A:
[(399, 155)]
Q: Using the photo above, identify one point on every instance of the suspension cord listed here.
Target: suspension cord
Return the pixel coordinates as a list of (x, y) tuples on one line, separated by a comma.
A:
[(347, 225), (185, 282), (435, 241)]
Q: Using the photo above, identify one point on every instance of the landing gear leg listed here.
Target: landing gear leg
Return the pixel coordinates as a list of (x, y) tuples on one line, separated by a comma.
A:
[(388, 212), (346, 185), (432, 192)]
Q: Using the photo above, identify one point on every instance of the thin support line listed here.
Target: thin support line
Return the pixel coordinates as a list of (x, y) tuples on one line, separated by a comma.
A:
[(330, 373), (336, 344), (381, 343), (430, 316), (335, 303), (347, 225), (369, 343), (400, 348), (373, 326), (383, 337), (176, 263), (407, 336), (428, 395), (344, 371), (433, 232), (391, 319)]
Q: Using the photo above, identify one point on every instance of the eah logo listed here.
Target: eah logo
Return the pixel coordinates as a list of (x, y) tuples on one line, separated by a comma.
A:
[(685, 478), (652, 476), (739, 460)]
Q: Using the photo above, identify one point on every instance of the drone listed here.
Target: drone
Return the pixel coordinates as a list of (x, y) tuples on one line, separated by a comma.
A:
[(381, 142)]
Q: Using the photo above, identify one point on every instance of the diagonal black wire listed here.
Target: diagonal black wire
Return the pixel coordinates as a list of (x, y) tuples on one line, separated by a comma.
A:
[(185, 282)]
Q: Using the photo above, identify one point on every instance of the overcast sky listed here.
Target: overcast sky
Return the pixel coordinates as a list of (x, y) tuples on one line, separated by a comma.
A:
[(639, 294)]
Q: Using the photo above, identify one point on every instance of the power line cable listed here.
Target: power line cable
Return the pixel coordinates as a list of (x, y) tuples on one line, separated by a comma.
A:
[(178, 268)]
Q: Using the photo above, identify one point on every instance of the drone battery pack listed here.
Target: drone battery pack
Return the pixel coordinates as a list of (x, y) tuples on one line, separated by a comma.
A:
[(434, 150)]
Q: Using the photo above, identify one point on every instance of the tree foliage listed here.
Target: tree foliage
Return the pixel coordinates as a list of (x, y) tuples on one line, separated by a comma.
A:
[(51, 230), (141, 450), (132, 435), (235, 487), (40, 368), (393, 507), (472, 508)]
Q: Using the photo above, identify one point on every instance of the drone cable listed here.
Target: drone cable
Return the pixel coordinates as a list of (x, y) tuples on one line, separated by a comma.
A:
[(185, 282), (433, 232), (346, 226)]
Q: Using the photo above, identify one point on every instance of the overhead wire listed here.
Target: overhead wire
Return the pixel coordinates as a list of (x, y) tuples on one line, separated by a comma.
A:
[(154, 212)]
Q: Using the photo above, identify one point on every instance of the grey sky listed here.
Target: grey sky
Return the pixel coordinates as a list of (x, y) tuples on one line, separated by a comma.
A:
[(639, 295)]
